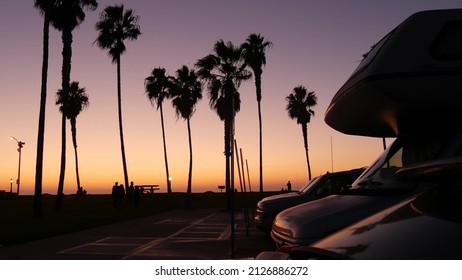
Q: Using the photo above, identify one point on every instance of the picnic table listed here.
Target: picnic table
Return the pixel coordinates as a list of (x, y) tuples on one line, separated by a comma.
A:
[(148, 188)]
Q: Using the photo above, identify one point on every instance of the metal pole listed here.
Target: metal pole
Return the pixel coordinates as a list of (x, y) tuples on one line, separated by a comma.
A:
[(248, 175), (231, 191), (238, 166), (331, 155), (243, 174), (19, 168), (20, 145)]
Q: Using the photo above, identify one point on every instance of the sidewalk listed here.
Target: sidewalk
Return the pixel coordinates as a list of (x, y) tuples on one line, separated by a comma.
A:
[(195, 234)]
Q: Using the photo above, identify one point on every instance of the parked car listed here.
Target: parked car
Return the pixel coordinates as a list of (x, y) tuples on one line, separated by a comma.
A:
[(427, 226), (319, 187), (403, 76), (376, 189)]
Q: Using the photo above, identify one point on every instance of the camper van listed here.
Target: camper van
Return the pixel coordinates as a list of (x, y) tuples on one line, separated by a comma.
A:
[(408, 86), (407, 79)]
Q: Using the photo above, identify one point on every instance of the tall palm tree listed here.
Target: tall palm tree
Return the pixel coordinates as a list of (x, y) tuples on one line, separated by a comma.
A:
[(299, 106), (186, 91), (66, 16), (71, 105), (115, 26), (255, 57), (224, 71), (157, 86), (44, 6)]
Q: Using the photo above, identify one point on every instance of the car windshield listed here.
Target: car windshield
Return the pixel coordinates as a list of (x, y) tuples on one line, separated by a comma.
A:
[(406, 150), (309, 186)]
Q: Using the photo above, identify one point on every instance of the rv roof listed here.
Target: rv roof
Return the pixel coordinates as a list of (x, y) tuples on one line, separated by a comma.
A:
[(410, 77)]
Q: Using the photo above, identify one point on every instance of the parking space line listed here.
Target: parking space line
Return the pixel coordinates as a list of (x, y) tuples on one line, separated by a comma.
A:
[(139, 250), (209, 228)]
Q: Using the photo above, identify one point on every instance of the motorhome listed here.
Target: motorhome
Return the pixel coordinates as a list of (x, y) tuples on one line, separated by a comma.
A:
[(409, 87), (410, 77)]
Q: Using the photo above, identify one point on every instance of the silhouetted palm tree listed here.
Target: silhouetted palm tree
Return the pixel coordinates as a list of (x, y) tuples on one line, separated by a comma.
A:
[(223, 71), (115, 26), (66, 16), (157, 86), (186, 91), (70, 106), (44, 6), (299, 106), (254, 56)]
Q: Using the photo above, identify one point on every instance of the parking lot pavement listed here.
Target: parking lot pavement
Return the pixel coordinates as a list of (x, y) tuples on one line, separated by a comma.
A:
[(197, 234)]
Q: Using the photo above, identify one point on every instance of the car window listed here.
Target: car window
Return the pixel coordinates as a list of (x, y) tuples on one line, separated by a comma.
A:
[(309, 186), (406, 150), (334, 184)]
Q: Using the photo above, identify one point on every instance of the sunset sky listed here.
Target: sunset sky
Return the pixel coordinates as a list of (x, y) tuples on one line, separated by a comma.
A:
[(317, 44)]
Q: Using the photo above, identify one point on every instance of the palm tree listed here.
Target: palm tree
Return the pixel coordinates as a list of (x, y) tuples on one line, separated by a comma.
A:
[(254, 56), (186, 91), (157, 86), (70, 106), (44, 6), (66, 16), (224, 71), (299, 106), (117, 25)]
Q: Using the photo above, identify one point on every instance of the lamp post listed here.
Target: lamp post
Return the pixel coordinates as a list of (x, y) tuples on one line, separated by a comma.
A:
[(20, 145)]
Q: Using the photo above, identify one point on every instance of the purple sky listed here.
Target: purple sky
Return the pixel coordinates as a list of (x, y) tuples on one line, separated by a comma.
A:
[(316, 44)]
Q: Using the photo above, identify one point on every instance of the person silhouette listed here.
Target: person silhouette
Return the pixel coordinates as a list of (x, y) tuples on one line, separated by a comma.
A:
[(289, 186), (130, 193), (114, 194)]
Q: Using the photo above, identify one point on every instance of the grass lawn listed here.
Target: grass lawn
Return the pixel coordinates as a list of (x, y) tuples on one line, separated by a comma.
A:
[(81, 212)]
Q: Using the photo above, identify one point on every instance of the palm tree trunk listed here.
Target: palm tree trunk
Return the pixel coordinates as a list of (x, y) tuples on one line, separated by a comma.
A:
[(261, 147), (305, 141), (227, 127), (41, 125), (121, 131), (66, 77), (190, 157), (258, 90), (74, 141), (169, 187), (59, 196), (77, 168)]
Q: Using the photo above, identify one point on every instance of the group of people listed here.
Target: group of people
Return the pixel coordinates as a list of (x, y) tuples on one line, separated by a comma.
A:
[(119, 193)]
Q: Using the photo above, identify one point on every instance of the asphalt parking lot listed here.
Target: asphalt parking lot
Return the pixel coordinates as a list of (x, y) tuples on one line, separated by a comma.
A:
[(182, 235)]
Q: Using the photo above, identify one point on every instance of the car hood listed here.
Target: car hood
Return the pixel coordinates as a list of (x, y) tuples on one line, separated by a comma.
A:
[(276, 203), (317, 219), (274, 199), (400, 232)]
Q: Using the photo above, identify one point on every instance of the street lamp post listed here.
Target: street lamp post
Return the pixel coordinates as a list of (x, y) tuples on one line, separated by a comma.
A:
[(20, 145)]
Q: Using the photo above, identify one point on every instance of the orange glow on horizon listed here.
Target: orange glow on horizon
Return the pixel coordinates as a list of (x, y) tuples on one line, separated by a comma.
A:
[(316, 45)]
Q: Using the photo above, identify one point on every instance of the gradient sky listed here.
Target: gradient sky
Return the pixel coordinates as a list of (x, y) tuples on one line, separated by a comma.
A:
[(317, 44)]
